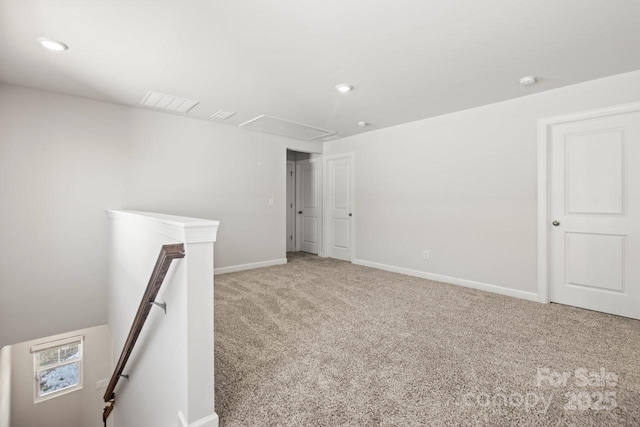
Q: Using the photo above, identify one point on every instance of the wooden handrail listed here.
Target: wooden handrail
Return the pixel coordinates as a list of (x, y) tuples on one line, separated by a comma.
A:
[(167, 254)]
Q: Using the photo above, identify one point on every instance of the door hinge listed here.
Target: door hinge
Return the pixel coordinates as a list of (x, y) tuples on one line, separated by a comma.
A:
[(291, 237), (291, 173)]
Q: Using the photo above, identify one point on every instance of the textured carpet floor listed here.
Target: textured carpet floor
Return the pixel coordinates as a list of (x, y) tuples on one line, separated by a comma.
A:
[(320, 342)]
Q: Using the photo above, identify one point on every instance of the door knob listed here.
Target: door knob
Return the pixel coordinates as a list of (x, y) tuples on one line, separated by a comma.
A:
[(555, 223), (299, 212)]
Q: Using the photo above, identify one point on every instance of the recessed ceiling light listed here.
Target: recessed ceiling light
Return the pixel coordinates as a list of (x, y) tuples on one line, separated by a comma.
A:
[(53, 44), (344, 88), (528, 80)]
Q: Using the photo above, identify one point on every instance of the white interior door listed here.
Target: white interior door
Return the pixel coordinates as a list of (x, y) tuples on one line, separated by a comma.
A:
[(291, 209), (595, 214), (308, 206), (339, 176)]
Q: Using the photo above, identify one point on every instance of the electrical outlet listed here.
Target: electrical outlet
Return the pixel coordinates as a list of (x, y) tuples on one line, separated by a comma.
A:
[(102, 384), (425, 254), (270, 201)]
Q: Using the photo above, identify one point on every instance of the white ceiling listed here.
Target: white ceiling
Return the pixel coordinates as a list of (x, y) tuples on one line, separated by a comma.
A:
[(408, 59)]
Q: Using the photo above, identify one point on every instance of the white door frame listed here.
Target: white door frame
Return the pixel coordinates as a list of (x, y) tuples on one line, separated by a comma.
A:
[(544, 140), (326, 194), (294, 219), (320, 193)]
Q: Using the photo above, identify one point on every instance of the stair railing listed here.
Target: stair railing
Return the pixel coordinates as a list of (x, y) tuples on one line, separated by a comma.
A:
[(167, 254)]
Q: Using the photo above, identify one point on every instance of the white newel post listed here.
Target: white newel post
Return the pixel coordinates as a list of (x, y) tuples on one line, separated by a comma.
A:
[(172, 366), (200, 335)]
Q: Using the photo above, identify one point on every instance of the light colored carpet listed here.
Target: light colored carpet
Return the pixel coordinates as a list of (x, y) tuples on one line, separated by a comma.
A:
[(320, 342)]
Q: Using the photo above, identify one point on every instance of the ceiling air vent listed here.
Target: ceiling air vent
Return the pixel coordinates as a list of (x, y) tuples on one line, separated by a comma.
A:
[(168, 102), (224, 115), (288, 128)]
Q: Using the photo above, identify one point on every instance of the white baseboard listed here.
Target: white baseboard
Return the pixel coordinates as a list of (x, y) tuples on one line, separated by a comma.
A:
[(251, 266), (209, 421), (530, 296)]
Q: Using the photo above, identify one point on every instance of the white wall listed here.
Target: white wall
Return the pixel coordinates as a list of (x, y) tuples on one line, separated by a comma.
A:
[(80, 408), (64, 160), (133, 254), (463, 186), (5, 386)]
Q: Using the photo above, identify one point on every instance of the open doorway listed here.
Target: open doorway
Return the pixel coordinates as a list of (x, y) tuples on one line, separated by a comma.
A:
[(304, 198)]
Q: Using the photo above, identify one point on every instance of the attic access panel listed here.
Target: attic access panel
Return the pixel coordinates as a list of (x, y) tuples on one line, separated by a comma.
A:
[(276, 126)]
